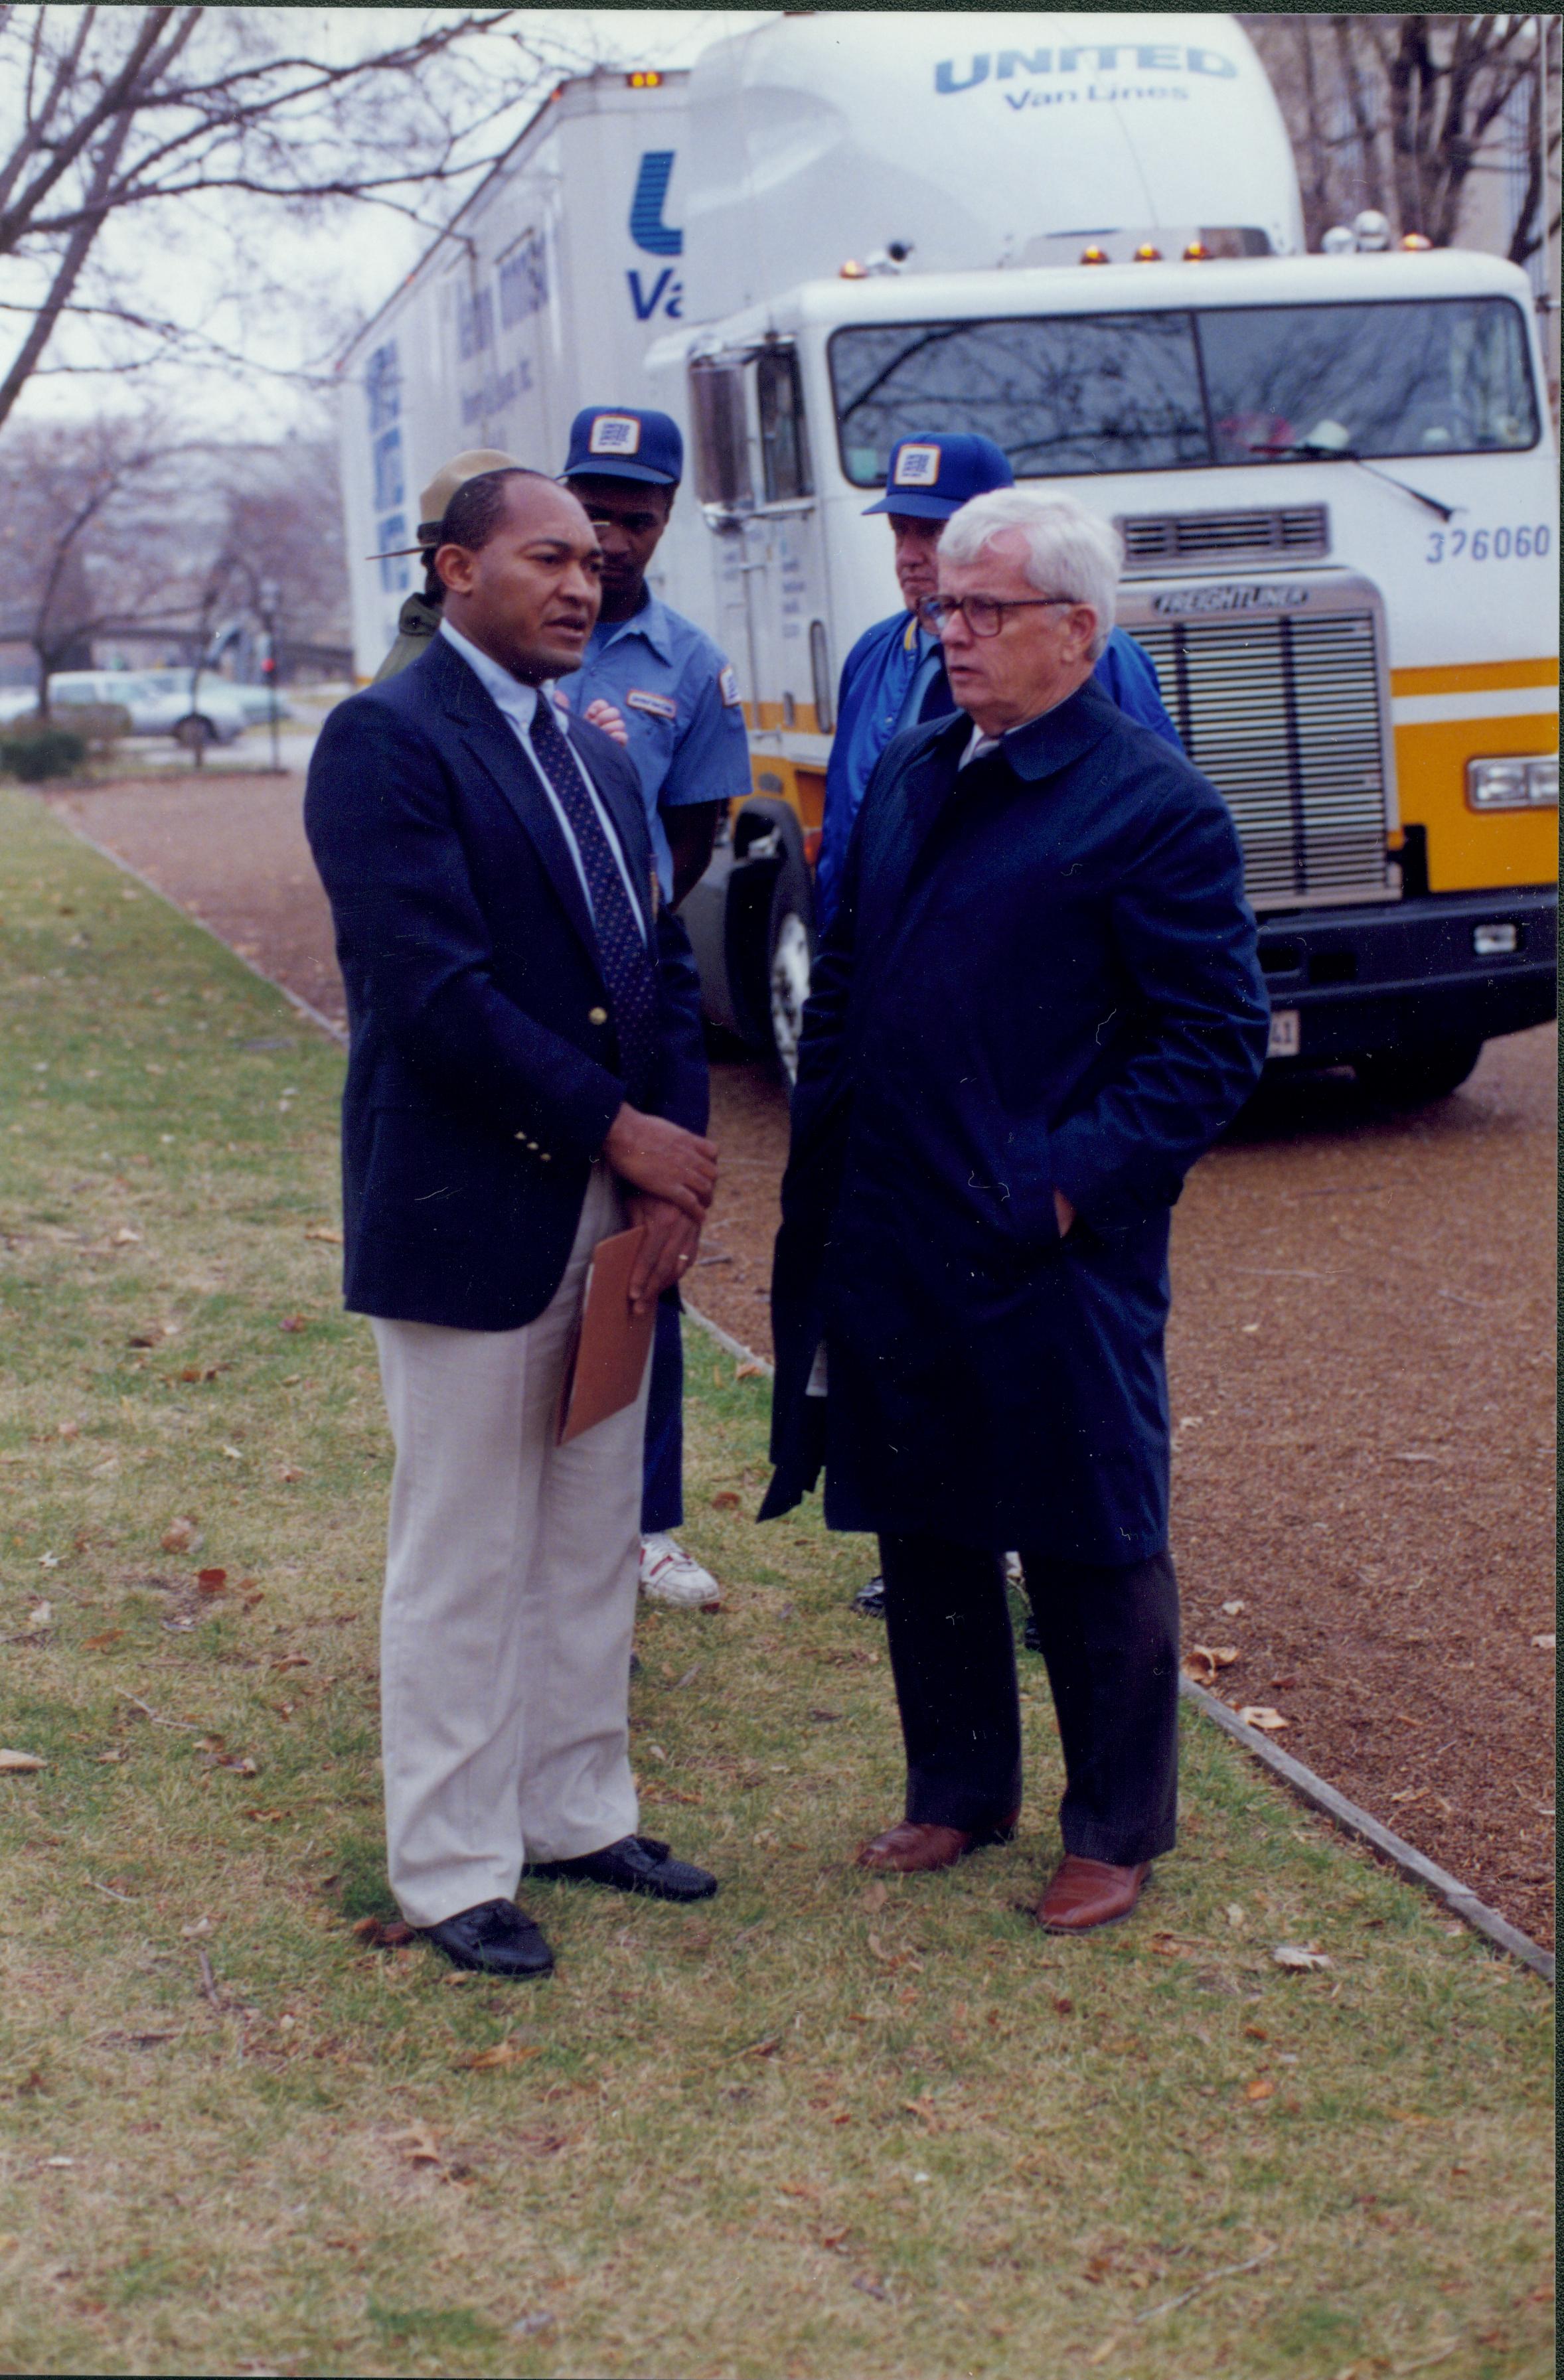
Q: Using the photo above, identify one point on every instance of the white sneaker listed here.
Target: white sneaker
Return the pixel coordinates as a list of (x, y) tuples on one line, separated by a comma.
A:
[(670, 1576)]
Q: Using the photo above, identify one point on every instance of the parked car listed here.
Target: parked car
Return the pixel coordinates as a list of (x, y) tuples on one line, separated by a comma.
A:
[(16, 702), (255, 701), (158, 701)]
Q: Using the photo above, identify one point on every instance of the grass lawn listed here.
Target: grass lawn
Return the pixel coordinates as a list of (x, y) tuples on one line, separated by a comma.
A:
[(816, 2127)]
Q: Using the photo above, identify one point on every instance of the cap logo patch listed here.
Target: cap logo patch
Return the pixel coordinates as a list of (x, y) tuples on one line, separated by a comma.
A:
[(916, 467), (614, 434)]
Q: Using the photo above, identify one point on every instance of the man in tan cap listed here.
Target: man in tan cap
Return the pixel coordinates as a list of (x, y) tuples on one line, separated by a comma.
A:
[(420, 616)]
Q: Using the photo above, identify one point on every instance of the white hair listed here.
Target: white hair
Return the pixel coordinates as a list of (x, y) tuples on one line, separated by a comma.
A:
[(1069, 551)]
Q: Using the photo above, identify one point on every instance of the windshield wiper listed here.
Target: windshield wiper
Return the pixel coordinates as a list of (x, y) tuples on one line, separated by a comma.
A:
[(1311, 453)]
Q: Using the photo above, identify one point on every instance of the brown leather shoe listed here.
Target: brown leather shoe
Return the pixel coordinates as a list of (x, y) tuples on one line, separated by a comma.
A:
[(1087, 1892), (913, 1848)]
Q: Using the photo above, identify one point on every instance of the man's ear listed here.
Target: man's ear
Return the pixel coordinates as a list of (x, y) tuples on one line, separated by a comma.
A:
[(454, 567)]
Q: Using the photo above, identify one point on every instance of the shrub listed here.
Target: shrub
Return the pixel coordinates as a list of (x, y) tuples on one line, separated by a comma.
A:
[(99, 724), (34, 749)]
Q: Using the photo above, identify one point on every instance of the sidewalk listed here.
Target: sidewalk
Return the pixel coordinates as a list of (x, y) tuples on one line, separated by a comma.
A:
[(816, 2127)]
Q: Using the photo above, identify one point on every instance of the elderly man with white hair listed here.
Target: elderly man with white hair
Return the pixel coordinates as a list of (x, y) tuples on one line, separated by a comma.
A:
[(1038, 1003)]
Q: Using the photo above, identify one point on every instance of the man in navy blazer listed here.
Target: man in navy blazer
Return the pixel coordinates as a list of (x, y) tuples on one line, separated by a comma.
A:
[(526, 1076), (1038, 1003)]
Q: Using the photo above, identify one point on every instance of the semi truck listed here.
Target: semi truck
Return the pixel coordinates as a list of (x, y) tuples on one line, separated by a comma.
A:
[(1333, 475)]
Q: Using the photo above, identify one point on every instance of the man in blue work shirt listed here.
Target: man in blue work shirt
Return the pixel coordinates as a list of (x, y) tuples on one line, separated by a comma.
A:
[(894, 677), (655, 679)]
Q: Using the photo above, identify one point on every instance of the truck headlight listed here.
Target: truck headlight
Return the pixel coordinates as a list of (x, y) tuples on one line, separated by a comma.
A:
[(1513, 784)]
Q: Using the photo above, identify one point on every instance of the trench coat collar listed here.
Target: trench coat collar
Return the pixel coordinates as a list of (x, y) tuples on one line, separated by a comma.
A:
[(1046, 746)]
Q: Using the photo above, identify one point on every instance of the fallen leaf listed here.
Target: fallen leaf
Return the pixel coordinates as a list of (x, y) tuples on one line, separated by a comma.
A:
[(383, 1933), (1262, 1716), (20, 1763), (1100, 2354), (747, 1371), (105, 1759), (181, 1536), (212, 1581), (1548, 1644), (1261, 2088), (767, 2049), (266, 1817), (418, 2147), (99, 1643), (1233, 1610), (1062, 2007), (872, 2290), (528, 2323), (725, 1501), (41, 1615), (126, 1238), (1235, 1913), (1300, 1955), (294, 1321), (504, 2053), (874, 1898), (201, 1925), (233, 1455), (289, 1472), (69, 1429), (322, 1232)]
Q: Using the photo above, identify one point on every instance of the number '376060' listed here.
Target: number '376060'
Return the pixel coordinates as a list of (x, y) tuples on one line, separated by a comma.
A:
[(1488, 544)]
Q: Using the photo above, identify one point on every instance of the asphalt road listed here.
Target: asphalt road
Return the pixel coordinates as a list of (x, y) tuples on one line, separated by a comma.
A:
[(1360, 1355)]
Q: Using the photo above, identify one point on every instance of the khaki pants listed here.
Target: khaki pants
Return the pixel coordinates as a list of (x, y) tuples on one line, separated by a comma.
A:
[(510, 1586)]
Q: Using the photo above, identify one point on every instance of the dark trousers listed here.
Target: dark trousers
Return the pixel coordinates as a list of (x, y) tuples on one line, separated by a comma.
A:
[(662, 1478), (1110, 1639)]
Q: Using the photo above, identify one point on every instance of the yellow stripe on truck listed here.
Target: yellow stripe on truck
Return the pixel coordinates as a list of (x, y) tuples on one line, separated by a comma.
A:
[(1475, 677)]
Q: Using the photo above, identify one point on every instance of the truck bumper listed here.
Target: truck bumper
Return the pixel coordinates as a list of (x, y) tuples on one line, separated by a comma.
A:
[(1407, 975)]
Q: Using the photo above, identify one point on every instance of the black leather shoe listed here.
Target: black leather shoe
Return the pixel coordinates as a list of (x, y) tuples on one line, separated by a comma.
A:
[(870, 1601), (496, 1939), (635, 1863)]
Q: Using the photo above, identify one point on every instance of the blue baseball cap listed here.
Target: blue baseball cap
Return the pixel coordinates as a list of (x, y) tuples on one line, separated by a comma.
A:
[(618, 442), (932, 477)]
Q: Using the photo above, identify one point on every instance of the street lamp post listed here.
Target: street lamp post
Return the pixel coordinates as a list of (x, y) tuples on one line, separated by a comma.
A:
[(270, 595)]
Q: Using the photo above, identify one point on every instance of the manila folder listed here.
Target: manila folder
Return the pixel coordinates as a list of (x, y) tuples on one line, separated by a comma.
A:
[(605, 1373)]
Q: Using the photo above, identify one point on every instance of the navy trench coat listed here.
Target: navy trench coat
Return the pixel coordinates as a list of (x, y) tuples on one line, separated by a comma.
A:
[(1042, 976)]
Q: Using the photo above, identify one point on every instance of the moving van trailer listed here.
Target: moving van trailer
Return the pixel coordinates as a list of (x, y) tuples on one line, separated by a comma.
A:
[(1080, 235)]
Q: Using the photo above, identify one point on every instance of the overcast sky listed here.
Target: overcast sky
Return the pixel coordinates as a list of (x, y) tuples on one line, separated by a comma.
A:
[(334, 273)]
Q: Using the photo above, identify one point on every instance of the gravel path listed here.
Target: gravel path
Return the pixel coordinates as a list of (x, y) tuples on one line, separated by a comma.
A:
[(1362, 1356)]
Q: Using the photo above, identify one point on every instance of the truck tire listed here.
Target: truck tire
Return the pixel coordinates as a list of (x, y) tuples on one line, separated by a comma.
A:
[(791, 955), (1416, 1076)]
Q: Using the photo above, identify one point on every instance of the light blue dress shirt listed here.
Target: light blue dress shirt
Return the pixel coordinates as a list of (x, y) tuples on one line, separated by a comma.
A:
[(680, 706), (517, 704)]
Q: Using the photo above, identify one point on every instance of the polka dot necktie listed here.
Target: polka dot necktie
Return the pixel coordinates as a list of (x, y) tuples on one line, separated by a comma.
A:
[(627, 967)]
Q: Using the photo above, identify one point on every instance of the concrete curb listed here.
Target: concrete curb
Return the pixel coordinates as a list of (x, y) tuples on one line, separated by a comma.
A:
[(1354, 1821), (1412, 1863), (295, 1000)]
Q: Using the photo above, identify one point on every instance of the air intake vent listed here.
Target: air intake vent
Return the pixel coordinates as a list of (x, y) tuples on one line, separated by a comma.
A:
[(1291, 533), (1283, 716)]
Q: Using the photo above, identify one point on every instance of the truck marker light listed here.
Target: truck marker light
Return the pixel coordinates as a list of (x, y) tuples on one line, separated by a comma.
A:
[(1147, 254), (853, 271), (1094, 255), (1495, 941), (645, 80), (1413, 240), (1197, 252)]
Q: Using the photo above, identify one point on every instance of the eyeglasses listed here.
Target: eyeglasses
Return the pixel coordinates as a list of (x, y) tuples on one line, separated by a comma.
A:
[(984, 615)]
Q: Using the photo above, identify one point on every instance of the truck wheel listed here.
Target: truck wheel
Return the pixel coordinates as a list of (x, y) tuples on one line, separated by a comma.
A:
[(195, 732), (791, 953), (1415, 1077)]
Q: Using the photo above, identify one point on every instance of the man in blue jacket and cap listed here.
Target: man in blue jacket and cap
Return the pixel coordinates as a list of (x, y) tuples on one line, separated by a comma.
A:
[(894, 678), (653, 678)]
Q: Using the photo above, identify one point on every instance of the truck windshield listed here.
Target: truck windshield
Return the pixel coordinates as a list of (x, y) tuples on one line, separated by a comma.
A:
[(1072, 393)]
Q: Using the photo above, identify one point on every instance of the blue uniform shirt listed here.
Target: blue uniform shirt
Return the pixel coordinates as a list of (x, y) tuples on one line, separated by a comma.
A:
[(888, 685), (680, 705)]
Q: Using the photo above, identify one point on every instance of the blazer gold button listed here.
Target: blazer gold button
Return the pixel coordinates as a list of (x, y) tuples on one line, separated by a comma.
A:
[(542, 1157), (597, 1016)]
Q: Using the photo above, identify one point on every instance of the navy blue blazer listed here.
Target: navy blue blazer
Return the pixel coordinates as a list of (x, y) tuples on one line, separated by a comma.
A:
[(483, 1072), (1042, 976)]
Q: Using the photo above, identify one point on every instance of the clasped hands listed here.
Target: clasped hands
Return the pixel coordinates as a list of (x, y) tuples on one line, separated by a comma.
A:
[(671, 1175)]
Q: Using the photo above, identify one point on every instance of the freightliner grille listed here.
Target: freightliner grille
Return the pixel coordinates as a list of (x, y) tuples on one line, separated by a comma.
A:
[(1283, 716)]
